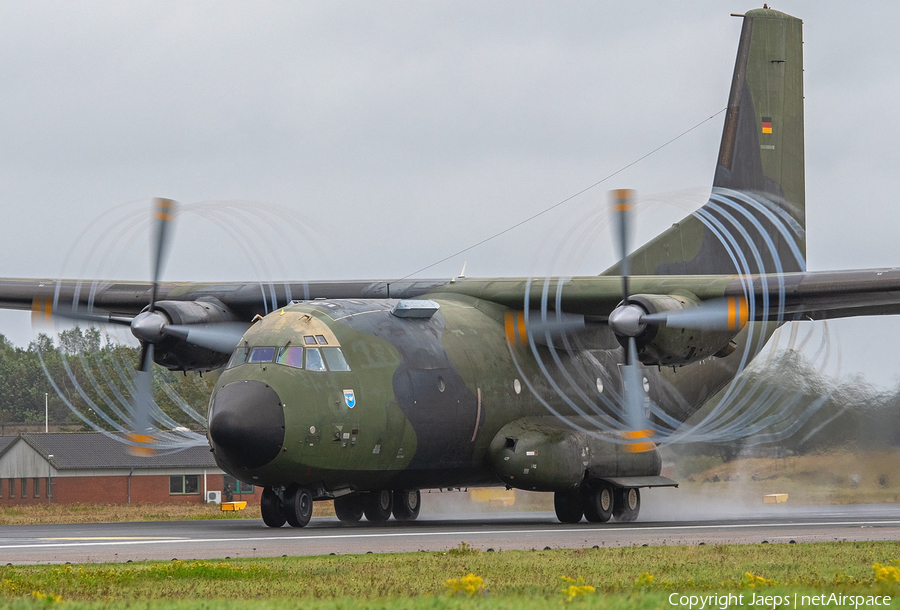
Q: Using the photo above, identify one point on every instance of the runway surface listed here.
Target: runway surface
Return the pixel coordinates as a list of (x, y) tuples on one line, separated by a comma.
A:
[(119, 542)]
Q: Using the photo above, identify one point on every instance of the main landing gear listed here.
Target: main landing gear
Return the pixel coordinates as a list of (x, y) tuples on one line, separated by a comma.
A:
[(597, 502), (294, 504), (378, 506)]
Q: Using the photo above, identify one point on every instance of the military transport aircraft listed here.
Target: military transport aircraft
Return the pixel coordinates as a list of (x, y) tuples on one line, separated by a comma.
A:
[(366, 392)]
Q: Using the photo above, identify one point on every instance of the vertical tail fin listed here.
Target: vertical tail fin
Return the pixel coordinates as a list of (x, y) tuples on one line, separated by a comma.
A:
[(755, 219)]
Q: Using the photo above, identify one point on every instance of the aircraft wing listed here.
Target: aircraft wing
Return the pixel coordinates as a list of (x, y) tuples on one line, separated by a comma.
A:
[(793, 296), (812, 295), (246, 299)]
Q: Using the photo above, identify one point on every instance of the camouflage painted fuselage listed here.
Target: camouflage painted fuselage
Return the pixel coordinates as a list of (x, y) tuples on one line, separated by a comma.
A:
[(429, 398)]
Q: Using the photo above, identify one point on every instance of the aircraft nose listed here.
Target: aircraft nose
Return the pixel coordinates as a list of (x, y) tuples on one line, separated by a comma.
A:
[(247, 424)]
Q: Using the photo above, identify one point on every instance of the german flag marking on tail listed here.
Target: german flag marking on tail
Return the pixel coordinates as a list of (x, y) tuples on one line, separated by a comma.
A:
[(767, 124)]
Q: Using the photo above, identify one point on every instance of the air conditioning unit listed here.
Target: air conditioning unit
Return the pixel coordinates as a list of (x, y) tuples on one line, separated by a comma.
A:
[(213, 497)]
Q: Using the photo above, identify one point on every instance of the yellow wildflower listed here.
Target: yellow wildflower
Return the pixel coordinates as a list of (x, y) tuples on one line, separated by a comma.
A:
[(575, 588), (886, 574), (751, 580), (644, 580), (49, 598), (470, 585)]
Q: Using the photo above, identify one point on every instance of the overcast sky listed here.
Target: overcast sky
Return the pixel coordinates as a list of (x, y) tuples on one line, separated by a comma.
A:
[(397, 133)]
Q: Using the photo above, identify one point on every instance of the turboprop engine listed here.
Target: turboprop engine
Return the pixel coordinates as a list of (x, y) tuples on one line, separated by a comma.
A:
[(171, 323), (656, 322)]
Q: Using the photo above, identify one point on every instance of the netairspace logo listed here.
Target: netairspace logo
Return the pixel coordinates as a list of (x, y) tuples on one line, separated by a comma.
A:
[(776, 602)]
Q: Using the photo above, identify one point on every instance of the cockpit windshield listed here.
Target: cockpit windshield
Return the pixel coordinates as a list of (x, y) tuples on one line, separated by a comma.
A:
[(317, 359)]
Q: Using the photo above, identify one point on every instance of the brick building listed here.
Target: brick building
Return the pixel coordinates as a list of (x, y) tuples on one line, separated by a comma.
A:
[(90, 467)]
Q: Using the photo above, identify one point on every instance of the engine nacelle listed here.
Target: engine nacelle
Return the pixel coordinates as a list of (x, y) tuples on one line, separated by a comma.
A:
[(659, 345), (550, 454), (175, 354)]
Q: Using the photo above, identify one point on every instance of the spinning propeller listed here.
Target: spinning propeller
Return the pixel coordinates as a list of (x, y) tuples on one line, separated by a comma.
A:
[(152, 326), (629, 320)]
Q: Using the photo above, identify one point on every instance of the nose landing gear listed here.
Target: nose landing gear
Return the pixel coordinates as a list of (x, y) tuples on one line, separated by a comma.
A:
[(298, 505), (292, 505), (272, 508)]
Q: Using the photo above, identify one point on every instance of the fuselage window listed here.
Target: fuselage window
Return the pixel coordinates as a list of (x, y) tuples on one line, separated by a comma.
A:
[(309, 340), (239, 357), (321, 340), (262, 354), (334, 358), (314, 360), (291, 356)]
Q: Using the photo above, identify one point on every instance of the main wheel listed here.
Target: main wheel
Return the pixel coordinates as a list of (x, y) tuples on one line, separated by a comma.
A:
[(569, 506), (407, 505), (349, 509), (378, 505), (598, 503), (298, 505), (627, 504), (272, 508)]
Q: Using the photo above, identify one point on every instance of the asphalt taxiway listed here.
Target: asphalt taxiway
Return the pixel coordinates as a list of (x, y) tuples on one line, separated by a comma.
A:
[(119, 542)]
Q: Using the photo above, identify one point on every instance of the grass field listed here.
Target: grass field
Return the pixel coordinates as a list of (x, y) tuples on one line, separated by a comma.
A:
[(635, 577), (115, 513)]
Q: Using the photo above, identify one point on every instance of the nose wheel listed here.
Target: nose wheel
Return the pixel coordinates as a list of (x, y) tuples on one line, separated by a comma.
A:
[(272, 508), (298, 505)]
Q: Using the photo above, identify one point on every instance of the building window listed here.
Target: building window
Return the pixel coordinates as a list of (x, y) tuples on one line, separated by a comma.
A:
[(49, 487), (12, 488), (24, 488), (230, 484), (37, 487), (1, 488), (184, 484)]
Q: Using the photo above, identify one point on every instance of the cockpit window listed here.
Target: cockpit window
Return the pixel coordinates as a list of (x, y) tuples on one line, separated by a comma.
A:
[(309, 340), (314, 360), (321, 340), (238, 357), (291, 356), (262, 354), (334, 357)]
